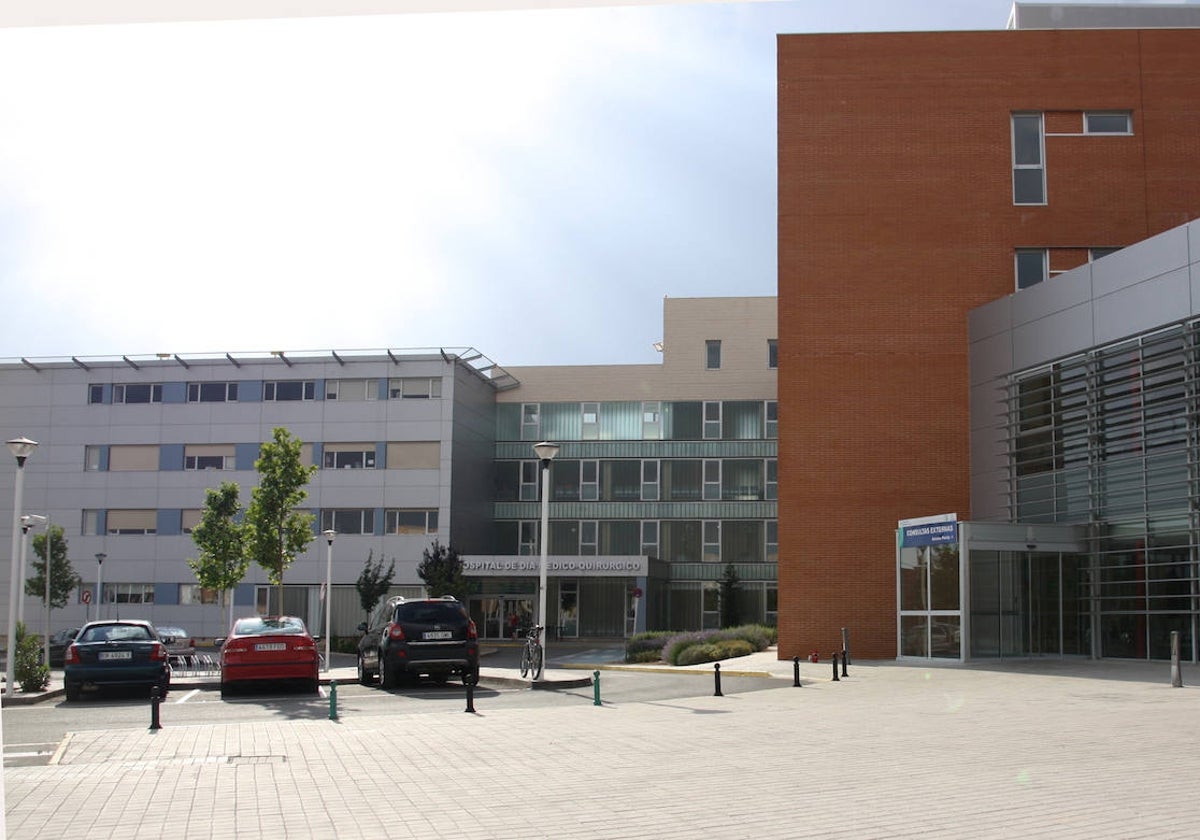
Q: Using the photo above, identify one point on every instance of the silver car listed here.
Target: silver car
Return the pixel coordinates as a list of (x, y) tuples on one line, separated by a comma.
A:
[(178, 642)]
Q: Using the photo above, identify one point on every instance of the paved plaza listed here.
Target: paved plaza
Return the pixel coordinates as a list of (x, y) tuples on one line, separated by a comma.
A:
[(1032, 749)]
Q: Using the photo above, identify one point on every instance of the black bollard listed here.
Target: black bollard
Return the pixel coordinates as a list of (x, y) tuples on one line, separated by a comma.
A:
[(470, 696), (717, 671), (155, 700), (835, 674), (796, 672), (845, 656)]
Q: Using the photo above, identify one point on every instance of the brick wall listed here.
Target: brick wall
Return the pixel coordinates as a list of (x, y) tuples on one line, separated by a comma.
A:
[(895, 219)]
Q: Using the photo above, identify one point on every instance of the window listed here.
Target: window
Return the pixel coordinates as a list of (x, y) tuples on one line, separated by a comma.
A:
[(414, 455), (712, 354), (209, 457), (137, 394), (529, 481), (411, 522), (772, 353), (190, 593), (414, 388), (349, 456), (89, 525), (652, 421), (1029, 168), (531, 421), (589, 530), (681, 480), (212, 392), (590, 417), (95, 394), (712, 481), (650, 481), (1032, 266), (349, 520), (189, 519), (133, 457), (128, 593), (712, 542), (772, 487), (772, 555), (351, 390), (650, 537), (621, 481), (771, 430), (1107, 122), (91, 462), (712, 420), (589, 481), (528, 538), (1100, 253), (289, 390), (132, 522)]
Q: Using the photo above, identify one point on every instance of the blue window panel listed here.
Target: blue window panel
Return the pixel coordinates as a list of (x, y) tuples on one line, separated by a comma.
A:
[(174, 392), (101, 523), (319, 394), (383, 389), (318, 454), (170, 457), (381, 456), (166, 594), (249, 391), (379, 522), (170, 522), (245, 454), (243, 595), (103, 468)]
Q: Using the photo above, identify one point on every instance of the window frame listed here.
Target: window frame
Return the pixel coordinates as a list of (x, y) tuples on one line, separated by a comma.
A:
[(712, 354), (195, 392), (1092, 132), (1044, 253), (120, 393), (1018, 166), (308, 390)]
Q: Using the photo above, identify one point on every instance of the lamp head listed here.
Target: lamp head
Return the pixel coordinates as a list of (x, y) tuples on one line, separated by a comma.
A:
[(21, 447), (329, 535), (546, 450), (101, 557)]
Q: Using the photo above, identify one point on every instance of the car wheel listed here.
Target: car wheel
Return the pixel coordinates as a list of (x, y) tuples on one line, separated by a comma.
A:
[(314, 686), (365, 677), (387, 676), (72, 691)]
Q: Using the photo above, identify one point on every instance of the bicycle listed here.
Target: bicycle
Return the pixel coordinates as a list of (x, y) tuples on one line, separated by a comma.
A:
[(531, 657)]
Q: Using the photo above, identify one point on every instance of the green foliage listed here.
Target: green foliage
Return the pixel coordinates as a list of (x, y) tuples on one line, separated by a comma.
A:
[(756, 636), (647, 647), (442, 570), (373, 582), (276, 531), (63, 577), (221, 541), (714, 652), (28, 671), (730, 586)]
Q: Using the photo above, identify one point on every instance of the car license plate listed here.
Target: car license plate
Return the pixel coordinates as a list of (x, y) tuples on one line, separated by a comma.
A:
[(270, 646), (115, 654), (437, 634)]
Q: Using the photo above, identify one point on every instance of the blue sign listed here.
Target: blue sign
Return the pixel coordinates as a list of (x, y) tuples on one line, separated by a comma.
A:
[(933, 533)]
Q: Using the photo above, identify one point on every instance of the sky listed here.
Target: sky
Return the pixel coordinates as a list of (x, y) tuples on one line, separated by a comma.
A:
[(527, 183)]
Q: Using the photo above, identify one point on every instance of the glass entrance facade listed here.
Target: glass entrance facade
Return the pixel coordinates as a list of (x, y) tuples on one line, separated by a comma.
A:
[(1027, 603)]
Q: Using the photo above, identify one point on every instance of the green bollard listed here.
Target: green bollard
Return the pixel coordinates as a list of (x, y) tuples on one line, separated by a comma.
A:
[(333, 700), (596, 688)]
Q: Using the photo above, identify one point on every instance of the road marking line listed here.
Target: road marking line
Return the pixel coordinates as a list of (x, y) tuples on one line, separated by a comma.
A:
[(188, 696)]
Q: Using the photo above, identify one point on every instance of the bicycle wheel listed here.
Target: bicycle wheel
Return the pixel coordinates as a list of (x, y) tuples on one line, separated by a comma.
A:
[(536, 664), (525, 662)]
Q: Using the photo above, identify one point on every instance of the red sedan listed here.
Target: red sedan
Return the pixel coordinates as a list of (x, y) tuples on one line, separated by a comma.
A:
[(264, 649)]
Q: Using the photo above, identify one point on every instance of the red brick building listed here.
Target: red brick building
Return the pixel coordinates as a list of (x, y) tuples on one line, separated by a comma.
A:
[(919, 174)]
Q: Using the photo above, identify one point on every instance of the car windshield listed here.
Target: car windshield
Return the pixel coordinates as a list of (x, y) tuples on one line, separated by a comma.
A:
[(177, 632), (430, 612), (116, 633), (286, 625)]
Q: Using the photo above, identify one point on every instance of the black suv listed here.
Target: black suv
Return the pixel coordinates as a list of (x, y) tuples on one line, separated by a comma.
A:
[(411, 637)]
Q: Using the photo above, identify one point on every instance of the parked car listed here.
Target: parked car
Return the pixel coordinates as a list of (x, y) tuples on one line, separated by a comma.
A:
[(414, 637), (262, 649), (118, 652), (178, 642), (59, 640)]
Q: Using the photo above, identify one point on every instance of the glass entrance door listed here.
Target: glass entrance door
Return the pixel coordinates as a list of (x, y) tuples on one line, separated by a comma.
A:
[(1026, 603)]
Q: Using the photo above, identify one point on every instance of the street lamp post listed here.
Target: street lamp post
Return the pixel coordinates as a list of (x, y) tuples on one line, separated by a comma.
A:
[(545, 452), (27, 522), (21, 448), (100, 558), (329, 535), (49, 550)]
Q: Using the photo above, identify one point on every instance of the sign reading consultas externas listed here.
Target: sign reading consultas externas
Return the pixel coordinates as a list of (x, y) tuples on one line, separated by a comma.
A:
[(928, 530), (479, 565)]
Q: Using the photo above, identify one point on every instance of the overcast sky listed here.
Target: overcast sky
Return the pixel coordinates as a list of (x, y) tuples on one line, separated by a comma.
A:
[(528, 183)]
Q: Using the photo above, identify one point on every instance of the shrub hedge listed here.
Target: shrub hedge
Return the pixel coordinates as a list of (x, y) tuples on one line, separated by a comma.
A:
[(699, 646)]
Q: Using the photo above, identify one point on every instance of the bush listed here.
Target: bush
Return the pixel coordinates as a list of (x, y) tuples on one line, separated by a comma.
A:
[(646, 647), (755, 636), (714, 651), (27, 667)]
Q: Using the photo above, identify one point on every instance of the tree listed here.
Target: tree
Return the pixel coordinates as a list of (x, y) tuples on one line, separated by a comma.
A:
[(373, 583), (221, 541), (63, 577), (731, 615), (442, 571), (275, 530)]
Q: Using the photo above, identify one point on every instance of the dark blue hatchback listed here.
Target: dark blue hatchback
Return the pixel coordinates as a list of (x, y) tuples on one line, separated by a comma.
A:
[(121, 652)]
